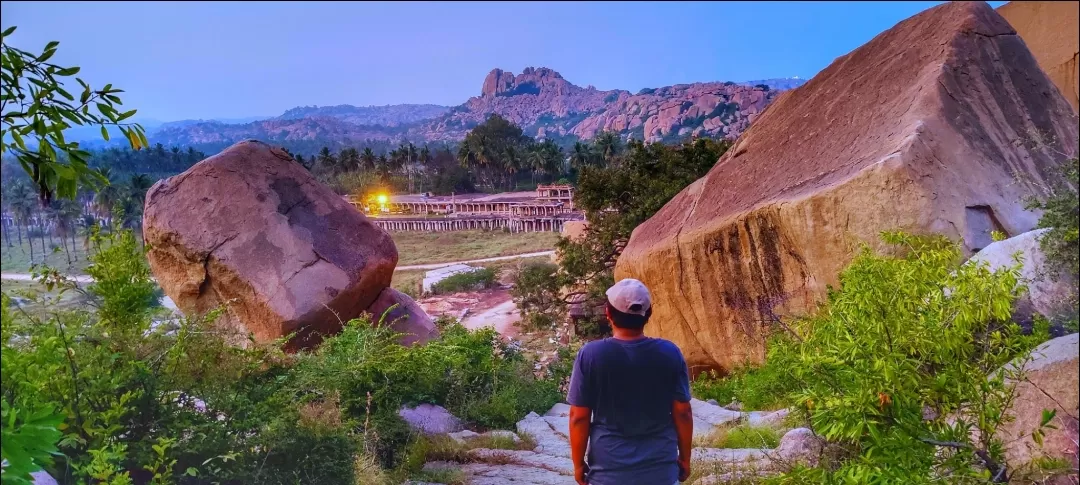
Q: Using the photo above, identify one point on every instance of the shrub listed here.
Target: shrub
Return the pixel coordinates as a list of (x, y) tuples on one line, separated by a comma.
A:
[(758, 388), (743, 436), (903, 366), (477, 279)]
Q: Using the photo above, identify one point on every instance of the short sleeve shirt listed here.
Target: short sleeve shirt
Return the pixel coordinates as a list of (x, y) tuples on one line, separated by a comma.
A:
[(630, 385)]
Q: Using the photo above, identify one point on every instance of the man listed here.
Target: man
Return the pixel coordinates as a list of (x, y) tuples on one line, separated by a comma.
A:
[(630, 401)]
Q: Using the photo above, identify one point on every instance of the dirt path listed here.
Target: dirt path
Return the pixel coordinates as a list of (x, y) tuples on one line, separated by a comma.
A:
[(503, 317), (87, 279)]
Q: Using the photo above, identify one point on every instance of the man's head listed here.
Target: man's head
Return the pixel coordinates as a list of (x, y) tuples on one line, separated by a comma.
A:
[(629, 304)]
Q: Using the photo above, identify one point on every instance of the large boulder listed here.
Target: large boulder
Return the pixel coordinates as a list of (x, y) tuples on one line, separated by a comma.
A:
[(1051, 381), (252, 229), (404, 315), (926, 128), (1049, 30), (1048, 294)]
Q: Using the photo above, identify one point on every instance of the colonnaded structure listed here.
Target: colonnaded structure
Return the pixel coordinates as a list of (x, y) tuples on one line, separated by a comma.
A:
[(545, 209)]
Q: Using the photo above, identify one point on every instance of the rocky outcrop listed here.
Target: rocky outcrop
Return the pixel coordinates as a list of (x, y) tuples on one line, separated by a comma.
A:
[(251, 230), (1049, 30), (922, 129), (1050, 382), (1047, 294), (547, 105)]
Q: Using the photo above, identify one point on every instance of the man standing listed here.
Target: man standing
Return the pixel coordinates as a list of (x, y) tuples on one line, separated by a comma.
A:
[(630, 401)]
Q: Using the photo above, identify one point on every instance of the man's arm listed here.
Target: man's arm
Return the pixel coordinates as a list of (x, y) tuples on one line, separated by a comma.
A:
[(684, 429), (580, 419)]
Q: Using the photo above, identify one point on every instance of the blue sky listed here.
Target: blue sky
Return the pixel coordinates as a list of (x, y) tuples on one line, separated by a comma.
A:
[(179, 60)]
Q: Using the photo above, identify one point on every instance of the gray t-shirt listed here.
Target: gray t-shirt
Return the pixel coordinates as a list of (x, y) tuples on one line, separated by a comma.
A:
[(630, 385)]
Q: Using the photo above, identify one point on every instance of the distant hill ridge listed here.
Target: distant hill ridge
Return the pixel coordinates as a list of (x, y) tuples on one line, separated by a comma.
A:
[(539, 100)]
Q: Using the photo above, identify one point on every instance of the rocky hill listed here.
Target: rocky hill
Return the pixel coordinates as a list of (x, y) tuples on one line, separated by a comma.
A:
[(539, 99)]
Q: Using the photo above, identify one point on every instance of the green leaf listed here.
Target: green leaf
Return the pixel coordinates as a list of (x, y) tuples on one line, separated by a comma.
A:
[(125, 115), (68, 71), (1047, 416), (45, 55), (8, 31), (104, 133)]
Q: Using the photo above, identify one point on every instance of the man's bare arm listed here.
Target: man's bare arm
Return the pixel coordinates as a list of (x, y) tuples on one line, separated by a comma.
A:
[(580, 420), (684, 429)]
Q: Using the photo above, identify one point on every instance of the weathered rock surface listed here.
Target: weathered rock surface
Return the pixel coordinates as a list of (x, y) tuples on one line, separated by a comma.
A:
[(921, 129), (431, 419), (406, 317), (1048, 294), (1052, 381), (1049, 30), (252, 228), (549, 462)]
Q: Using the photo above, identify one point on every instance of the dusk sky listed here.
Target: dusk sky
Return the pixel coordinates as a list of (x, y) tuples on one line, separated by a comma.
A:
[(181, 60)]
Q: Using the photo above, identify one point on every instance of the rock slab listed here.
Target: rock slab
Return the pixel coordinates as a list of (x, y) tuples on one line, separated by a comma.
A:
[(1052, 379), (1049, 30), (926, 128), (251, 229), (1048, 294)]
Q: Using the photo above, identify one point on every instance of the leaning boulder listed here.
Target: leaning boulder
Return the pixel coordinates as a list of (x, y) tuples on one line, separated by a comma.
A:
[(404, 315), (927, 128), (1048, 294), (251, 229), (1050, 382)]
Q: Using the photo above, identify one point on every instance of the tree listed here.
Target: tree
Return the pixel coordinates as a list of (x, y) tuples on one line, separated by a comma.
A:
[(616, 198), (367, 158), (35, 104), (607, 145)]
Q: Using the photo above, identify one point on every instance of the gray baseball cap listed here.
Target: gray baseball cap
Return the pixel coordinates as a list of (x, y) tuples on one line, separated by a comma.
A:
[(630, 296)]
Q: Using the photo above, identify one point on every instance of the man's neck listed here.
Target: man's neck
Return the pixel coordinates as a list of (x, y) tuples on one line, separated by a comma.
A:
[(626, 333)]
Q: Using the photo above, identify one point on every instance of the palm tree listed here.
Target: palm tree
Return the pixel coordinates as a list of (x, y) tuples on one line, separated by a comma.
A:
[(326, 159), (581, 156), (23, 203), (367, 157), (607, 145)]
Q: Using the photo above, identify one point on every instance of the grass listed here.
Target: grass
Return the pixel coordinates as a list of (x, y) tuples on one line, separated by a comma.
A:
[(409, 281), (477, 279), (741, 436), (16, 257), (443, 247)]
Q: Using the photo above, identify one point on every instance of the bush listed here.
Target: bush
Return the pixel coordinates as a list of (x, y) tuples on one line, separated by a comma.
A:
[(903, 366), (757, 388), (477, 279)]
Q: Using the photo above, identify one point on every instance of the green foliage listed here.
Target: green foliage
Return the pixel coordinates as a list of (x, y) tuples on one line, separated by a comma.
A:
[(757, 388), (477, 279), (28, 440), (618, 188), (903, 367), (1061, 215), (35, 105), (535, 291)]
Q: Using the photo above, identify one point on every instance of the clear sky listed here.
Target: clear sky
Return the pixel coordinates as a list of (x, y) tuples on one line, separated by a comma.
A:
[(180, 60)]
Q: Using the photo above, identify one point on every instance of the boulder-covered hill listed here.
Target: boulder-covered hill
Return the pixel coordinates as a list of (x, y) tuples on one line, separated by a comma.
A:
[(539, 99), (547, 105)]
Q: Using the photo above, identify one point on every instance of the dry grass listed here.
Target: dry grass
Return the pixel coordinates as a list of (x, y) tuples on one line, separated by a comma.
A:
[(442, 247)]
